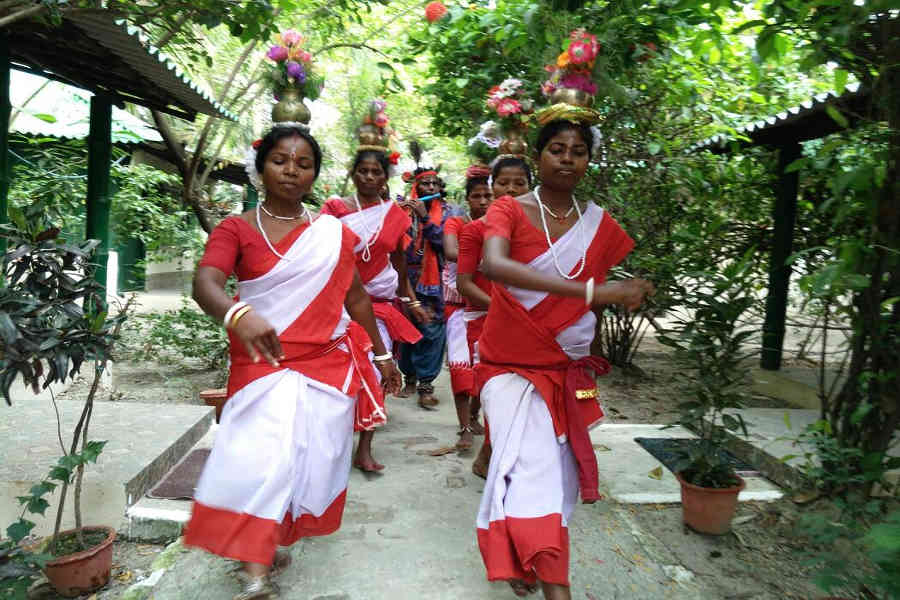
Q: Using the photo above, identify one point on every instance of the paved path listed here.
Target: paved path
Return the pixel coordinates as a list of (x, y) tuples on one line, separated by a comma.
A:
[(410, 533)]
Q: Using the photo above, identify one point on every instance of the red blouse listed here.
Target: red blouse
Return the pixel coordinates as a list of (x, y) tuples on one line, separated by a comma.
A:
[(471, 242)]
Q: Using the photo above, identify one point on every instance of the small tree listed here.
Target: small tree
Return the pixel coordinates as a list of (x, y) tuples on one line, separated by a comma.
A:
[(708, 342), (52, 319)]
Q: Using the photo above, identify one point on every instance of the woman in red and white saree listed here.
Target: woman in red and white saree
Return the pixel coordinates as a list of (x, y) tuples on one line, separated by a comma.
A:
[(459, 356), (280, 464), (510, 176), (381, 226), (548, 256)]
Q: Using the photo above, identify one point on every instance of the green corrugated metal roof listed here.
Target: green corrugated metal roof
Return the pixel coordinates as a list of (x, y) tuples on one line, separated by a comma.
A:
[(129, 43), (64, 113)]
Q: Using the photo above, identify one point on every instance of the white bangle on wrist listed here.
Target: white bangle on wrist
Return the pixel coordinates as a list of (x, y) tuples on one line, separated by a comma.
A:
[(230, 313), (383, 357), (589, 291)]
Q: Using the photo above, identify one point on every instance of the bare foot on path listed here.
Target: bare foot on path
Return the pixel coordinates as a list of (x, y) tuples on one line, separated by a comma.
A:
[(466, 440), (368, 466), (428, 401), (481, 462), (364, 461), (475, 426), (520, 588), (407, 390)]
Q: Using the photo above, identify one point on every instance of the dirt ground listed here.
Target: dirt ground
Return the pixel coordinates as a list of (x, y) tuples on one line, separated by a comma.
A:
[(760, 559)]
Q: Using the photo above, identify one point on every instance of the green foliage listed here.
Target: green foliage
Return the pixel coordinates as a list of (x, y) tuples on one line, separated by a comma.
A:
[(19, 563), (147, 207), (46, 321), (49, 189), (708, 342), (170, 337)]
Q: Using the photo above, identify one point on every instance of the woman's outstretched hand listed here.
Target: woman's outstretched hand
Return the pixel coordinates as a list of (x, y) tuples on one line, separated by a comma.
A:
[(259, 338), (630, 293), (391, 381)]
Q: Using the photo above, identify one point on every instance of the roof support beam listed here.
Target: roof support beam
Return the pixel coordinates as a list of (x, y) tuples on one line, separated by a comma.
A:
[(784, 215), (98, 192), (251, 197), (5, 111)]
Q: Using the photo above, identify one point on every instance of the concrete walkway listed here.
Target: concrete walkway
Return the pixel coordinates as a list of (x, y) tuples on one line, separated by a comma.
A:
[(410, 533)]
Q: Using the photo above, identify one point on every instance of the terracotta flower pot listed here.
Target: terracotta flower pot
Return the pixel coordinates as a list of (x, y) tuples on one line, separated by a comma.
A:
[(709, 510), (83, 572)]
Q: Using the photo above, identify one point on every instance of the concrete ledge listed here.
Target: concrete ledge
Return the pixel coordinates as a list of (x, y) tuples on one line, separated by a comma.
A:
[(137, 486), (626, 468), (155, 521)]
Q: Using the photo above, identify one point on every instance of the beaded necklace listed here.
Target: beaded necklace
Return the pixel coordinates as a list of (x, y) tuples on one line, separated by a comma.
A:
[(579, 224), (370, 236), (305, 213)]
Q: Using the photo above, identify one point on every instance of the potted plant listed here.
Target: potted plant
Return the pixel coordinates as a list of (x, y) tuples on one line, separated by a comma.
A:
[(708, 343), (53, 319)]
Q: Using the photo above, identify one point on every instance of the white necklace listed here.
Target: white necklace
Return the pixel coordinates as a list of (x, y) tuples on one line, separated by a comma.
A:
[(579, 224), (370, 236), (557, 217), (294, 218), (305, 213)]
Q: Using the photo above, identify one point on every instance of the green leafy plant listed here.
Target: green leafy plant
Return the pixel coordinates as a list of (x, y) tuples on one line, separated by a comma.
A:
[(708, 342), (53, 318), (171, 336)]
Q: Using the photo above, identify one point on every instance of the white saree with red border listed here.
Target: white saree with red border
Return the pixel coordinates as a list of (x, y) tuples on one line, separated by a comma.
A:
[(533, 478), (280, 464)]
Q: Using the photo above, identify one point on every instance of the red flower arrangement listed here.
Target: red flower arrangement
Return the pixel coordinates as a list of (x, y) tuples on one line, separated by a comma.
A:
[(574, 65), (394, 158), (256, 144), (508, 100), (435, 11)]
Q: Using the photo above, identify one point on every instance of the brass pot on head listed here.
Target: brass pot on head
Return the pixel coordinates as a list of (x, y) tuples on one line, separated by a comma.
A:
[(369, 135), (571, 96), (513, 143), (290, 107)]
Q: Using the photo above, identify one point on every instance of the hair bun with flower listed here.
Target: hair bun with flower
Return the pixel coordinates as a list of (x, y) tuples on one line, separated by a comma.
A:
[(570, 87)]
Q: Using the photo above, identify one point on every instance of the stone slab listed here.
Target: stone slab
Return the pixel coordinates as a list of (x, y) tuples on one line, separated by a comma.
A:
[(157, 520), (143, 442), (625, 467), (772, 438)]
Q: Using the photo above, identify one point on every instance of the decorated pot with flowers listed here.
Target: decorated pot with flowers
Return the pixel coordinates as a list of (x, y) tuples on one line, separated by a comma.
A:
[(375, 132), (512, 106), (570, 79), (292, 77)]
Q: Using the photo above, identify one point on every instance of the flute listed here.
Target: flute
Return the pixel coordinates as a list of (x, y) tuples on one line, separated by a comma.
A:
[(424, 198)]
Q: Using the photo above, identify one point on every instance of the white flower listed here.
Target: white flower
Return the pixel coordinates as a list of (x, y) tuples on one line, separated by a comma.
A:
[(252, 174), (510, 87)]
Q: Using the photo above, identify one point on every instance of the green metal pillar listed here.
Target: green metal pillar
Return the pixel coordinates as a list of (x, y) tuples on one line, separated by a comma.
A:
[(252, 198), (784, 215), (98, 191), (5, 111)]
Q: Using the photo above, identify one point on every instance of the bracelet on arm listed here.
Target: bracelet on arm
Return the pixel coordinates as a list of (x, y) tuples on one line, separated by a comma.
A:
[(589, 291), (237, 316), (383, 357), (405, 299), (230, 313)]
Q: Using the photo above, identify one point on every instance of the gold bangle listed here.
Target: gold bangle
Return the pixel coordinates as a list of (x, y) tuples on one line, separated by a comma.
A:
[(237, 316)]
